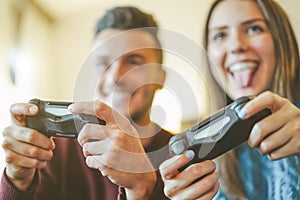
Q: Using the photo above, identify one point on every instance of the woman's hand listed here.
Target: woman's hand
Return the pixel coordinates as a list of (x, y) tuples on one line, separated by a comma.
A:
[(198, 181), (277, 135)]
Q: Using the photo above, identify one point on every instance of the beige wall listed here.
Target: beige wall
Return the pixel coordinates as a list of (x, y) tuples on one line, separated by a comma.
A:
[(31, 54), (32, 48)]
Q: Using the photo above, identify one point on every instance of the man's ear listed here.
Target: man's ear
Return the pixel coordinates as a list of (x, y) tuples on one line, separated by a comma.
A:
[(161, 79)]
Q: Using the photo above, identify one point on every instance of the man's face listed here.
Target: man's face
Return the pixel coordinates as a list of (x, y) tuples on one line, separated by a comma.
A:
[(128, 70)]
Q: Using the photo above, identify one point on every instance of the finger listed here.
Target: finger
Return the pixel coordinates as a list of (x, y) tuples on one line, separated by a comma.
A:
[(262, 129), (285, 150), (19, 110), (27, 150), (99, 109), (94, 162), (24, 162), (264, 100), (91, 132), (96, 148), (269, 125), (211, 193), (169, 168), (274, 141), (195, 171), (286, 143), (201, 188), (30, 136)]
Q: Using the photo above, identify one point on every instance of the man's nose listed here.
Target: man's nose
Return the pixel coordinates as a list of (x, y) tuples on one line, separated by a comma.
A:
[(116, 71)]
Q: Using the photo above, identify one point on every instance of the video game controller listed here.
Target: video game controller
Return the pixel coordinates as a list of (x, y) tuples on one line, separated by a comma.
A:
[(217, 134), (54, 119)]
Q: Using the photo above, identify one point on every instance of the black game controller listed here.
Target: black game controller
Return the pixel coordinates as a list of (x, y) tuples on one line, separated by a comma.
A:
[(217, 134), (54, 119)]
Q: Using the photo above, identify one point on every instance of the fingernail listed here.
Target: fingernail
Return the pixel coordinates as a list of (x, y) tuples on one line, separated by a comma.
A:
[(70, 107), (168, 177), (32, 109), (190, 154), (242, 114), (52, 144), (86, 150), (269, 157), (254, 136)]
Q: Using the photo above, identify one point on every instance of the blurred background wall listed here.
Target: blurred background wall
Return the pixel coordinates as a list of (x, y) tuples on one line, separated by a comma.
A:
[(44, 43)]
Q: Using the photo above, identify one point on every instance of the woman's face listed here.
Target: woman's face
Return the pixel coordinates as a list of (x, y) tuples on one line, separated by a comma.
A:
[(241, 48)]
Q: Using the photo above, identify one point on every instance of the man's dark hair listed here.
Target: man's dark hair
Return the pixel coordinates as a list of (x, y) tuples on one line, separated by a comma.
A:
[(126, 18)]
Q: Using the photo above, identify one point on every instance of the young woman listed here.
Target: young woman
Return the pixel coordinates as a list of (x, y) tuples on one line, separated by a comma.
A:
[(251, 50)]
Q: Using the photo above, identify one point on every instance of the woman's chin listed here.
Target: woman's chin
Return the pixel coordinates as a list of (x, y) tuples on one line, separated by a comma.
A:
[(235, 94)]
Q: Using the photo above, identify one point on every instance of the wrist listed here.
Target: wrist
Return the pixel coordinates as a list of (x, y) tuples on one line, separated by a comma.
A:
[(143, 189), (22, 183)]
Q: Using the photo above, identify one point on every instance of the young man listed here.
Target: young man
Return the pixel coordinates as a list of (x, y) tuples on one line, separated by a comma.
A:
[(128, 72)]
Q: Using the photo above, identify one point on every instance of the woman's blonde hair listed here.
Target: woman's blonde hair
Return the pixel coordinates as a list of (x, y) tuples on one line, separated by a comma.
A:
[(284, 83)]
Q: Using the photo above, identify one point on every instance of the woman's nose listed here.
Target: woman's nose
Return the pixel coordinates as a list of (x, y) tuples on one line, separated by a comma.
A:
[(237, 43)]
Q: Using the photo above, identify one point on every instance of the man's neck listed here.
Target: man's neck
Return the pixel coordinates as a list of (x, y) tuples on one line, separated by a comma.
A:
[(146, 129)]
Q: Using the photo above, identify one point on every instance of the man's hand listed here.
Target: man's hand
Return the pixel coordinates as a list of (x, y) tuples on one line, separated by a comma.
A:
[(116, 150), (25, 149)]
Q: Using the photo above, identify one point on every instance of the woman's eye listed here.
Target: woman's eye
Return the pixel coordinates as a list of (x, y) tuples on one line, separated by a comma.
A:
[(218, 36), (255, 29)]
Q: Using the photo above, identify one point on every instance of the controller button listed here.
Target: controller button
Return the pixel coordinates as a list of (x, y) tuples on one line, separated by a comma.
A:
[(178, 147), (216, 137), (239, 102), (57, 118)]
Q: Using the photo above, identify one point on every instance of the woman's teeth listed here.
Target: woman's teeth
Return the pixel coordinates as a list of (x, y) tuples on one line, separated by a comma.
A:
[(242, 66)]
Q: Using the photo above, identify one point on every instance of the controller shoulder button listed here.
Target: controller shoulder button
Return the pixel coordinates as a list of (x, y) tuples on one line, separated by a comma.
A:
[(240, 102)]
